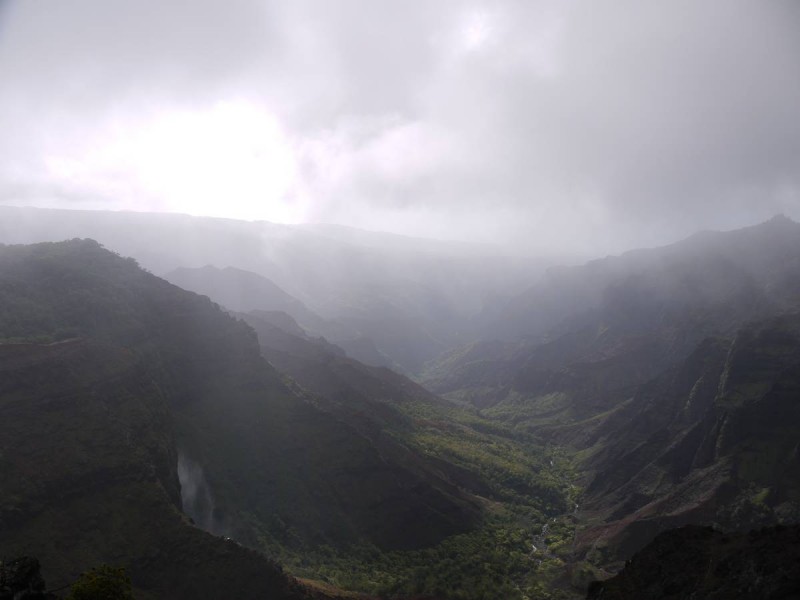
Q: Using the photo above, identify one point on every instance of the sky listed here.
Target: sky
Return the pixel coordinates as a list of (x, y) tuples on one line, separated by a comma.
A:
[(569, 126)]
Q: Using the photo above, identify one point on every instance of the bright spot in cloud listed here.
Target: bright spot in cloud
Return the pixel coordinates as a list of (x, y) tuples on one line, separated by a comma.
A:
[(476, 30), (232, 159)]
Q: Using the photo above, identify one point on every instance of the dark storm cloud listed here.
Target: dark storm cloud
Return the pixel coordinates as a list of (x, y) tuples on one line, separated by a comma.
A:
[(577, 125)]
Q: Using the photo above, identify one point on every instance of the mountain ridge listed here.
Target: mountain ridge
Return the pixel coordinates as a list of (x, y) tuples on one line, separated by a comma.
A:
[(651, 378), (411, 300), (280, 468)]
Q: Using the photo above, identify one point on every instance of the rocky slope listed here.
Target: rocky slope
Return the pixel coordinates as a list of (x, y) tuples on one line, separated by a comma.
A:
[(712, 441), (672, 376), (704, 564)]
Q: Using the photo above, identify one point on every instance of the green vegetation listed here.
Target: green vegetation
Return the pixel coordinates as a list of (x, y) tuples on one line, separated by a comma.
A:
[(521, 485), (494, 561), (102, 583), (528, 489), (517, 467)]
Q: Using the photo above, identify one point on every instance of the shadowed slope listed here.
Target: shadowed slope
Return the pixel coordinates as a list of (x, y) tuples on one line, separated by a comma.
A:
[(704, 564), (279, 468)]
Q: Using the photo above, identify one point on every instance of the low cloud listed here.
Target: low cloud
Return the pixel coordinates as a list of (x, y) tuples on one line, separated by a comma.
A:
[(551, 126)]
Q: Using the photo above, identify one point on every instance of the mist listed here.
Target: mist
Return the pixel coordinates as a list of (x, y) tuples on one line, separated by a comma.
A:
[(410, 299), (196, 497), (548, 128)]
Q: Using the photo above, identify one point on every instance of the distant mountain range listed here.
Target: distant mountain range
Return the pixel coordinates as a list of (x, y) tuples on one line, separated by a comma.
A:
[(557, 423), (414, 298), (244, 291)]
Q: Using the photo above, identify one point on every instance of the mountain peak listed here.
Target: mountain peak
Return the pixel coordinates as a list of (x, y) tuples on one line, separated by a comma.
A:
[(780, 219), (780, 225)]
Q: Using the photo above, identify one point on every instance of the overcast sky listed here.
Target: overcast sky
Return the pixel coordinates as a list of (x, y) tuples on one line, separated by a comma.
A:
[(591, 126)]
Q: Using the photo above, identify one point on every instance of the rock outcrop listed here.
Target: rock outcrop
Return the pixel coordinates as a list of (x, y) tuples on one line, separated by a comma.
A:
[(700, 563)]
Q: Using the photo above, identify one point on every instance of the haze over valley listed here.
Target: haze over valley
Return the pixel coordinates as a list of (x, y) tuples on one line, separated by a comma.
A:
[(389, 300)]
